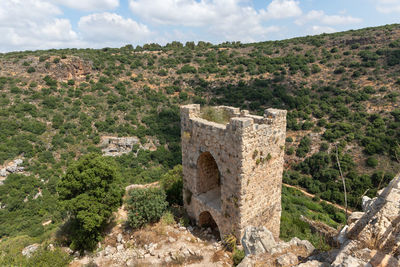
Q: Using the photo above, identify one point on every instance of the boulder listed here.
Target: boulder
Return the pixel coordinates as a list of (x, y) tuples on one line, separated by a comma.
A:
[(350, 261), (342, 236), (314, 263), (288, 259), (67, 250), (302, 243), (246, 262), (257, 240), (29, 250), (119, 238), (109, 250), (12, 168), (18, 161), (366, 202), (355, 216), (3, 172)]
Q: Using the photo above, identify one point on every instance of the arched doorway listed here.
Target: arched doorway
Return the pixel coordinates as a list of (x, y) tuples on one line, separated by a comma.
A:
[(208, 176), (207, 221)]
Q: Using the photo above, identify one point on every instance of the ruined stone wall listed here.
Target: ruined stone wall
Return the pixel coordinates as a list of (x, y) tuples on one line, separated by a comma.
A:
[(249, 154), (263, 158), (202, 136)]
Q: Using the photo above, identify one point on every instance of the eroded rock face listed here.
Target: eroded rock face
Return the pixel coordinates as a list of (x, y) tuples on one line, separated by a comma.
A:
[(262, 249), (373, 237), (257, 240)]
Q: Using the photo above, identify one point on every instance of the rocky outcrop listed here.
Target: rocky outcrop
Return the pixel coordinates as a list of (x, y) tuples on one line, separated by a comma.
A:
[(13, 167), (29, 250), (116, 146), (373, 237), (261, 249)]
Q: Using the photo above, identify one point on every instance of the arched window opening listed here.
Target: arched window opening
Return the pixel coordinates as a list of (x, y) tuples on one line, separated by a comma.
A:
[(209, 177)]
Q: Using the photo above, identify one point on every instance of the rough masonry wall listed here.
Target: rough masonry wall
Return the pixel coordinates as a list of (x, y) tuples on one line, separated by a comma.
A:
[(263, 159), (249, 154), (201, 136)]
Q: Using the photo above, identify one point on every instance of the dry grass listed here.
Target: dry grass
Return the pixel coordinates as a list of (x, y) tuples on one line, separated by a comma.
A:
[(218, 256), (215, 115), (153, 234)]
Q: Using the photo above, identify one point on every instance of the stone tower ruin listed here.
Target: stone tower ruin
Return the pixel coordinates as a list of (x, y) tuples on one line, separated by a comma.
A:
[(232, 173)]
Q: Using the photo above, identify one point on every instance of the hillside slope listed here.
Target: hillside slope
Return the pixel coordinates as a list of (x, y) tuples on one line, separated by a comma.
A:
[(341, 91)]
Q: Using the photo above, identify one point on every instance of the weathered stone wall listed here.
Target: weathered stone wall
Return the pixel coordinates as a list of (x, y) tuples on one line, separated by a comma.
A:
[(249, 154)]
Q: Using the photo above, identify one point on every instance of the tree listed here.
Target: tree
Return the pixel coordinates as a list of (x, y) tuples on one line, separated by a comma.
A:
[(90, 191)]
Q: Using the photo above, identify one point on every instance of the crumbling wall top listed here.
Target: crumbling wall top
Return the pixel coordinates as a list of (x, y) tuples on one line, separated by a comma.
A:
[(237, 118)]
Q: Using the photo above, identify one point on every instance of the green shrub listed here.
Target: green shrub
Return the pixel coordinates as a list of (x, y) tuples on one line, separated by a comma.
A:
[(168, 218), (172, 184), (324, 146), (290, 150), (372, 162), (304, 147), (43, 257), (237, 256), (146, 205), (31, 70)]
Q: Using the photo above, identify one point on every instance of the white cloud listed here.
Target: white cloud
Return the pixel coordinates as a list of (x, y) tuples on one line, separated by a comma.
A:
[(323, 18), (33, 24), (279, 9), (224, 19), (89, 5), (112, 29), (316, 29), (388, 6)]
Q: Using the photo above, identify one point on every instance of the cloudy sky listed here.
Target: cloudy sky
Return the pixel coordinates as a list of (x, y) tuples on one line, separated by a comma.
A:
[(44, 24)]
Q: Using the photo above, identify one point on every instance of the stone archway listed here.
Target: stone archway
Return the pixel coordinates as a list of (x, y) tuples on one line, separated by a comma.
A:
[(208, 175), (207, 221)]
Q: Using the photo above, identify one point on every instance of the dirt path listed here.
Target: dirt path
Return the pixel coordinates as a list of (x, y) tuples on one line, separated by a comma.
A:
[(312, 195)]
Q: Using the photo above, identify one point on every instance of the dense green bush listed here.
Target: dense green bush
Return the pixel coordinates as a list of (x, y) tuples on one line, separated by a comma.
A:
[(372, 162), (304, 147), (237, 256), (145, 205), (90, 191), (172, 184)]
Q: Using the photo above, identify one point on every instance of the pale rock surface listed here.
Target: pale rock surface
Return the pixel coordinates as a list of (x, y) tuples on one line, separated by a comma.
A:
[(29, 250), (288, 259), (373, 237), (355, 216), (257, 240)]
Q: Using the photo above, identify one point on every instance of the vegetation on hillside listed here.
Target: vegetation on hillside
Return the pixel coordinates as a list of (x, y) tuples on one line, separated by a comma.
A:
[(341, 91)]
